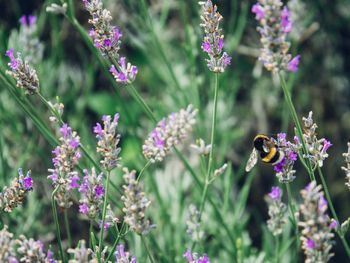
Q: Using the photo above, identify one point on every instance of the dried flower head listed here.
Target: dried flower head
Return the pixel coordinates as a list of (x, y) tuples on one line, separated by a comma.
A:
[(13, 195), (7, 246), (200, 147), (108, 140), (135, 204), (123, 257), (316, 233), (347, 167), (107, 39), (316, 148), (277, 211), (169, 132), (275, 24), (213, 41), (284, 169), (195, 258), (193, 224), (58, 107), (25, 76), (92, 193), (31, 250), (65, 160)]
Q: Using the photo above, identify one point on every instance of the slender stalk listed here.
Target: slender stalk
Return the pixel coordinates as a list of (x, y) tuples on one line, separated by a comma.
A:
[(277, 252), (143, 170), (212, 142), (55, 217), (147, 249), (91, 229), (299, 130), (334, 214), (104, 212), (292, 212), (66, 223), (122, 229)]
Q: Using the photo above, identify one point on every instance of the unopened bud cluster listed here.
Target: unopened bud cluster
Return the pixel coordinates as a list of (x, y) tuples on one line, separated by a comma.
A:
[(169, 132), (25, 76), (275, 24), (277, 211), (317, 148), (213, 41), (135, 204), (347, 167), (65, 161), (108, 140), (193, 224), (13, 195), (316, 226)]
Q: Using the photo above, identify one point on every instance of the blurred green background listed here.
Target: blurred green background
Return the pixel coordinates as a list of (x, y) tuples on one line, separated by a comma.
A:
[(170, 77)]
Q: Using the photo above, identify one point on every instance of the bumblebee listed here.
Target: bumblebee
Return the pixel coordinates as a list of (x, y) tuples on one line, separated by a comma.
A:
[(267, 149)]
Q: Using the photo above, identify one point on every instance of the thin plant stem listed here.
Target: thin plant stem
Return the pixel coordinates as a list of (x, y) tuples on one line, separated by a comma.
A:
[(122, 229), (277, 255), (334, 214), (147, 249), (294, 115), (91, 233), (104, 212), (212, 142), (55, 217), (66, 223), (292, 212), (143, 171)]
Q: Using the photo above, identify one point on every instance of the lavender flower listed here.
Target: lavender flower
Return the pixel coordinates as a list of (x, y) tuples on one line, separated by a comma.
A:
[(25, 76), (200, 147), (277, 211), (108, 140), (299, 15), (81, 253), (315, 224), (316, 148), (107, 39), (213, 41), (65, 160), (31, 250), (7, 246), (275, 24), (123, 257), (169, 132), (347, 168), (110, 219), (92, 191), (195, 258), (193, 224), (12, 196), (135, 204), (284, 169)]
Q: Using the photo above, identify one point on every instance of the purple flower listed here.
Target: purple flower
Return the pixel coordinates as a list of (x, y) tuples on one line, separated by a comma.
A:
[(203, 259), (333, 224), (292, 156), (226, 59), (107, 43), (276, 193), (97, 44), (258, 10), (12, 260), (28, 183), (188, 255), (281, 137), (84, 209), (117, 34), (27, 20), (220, 44), (99, 191), (74, 144), (98, 130), (158, 141), (293, 64), (296, 140), (285, 20), (65, 130), (280, 166), (310, 244), (13, 62), (73, 182), (134, 71), (122, 77), (322, 203), (53, 177), (206, 47), (326, 145), (92, 33)]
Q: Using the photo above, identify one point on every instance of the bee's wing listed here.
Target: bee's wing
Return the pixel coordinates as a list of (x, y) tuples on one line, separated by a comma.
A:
[(253, 158)]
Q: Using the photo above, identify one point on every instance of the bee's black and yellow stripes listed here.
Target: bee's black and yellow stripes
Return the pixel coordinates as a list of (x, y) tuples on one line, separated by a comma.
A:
[(273, 155)]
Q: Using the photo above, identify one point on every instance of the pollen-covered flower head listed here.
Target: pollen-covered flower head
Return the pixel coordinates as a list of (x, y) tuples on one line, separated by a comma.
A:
[(135, 204), (274, 25), (13, 195), (284, 169), (277, 211), (92, 193), (317, 148), (107, 141), (213, 41), (315, 224), (25, 76), (169, 132), (65, 160)]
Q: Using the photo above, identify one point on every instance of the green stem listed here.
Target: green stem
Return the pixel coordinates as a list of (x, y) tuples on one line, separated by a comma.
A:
[(299, 130), (334, 214), (277, 255), (143, 170), (292, 212), (147, 249), (55, 217), (212, 142), (91, 233), (66, 223), (104, 212), (122, 229)]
